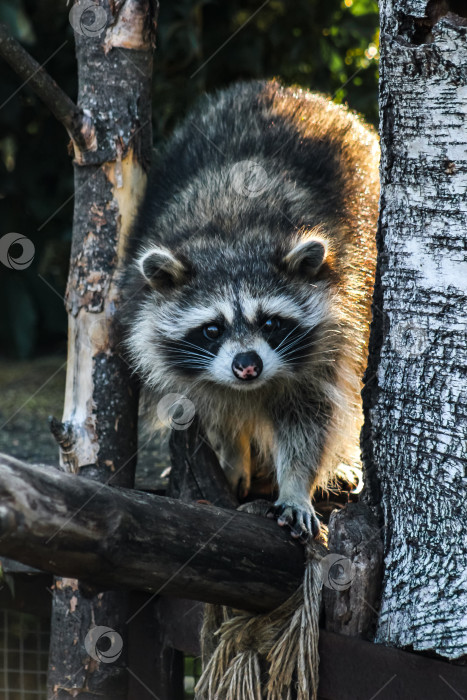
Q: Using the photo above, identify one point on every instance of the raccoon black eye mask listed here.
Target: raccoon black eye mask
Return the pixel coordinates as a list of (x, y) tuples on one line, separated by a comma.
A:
[(256, 305), (195, 352)]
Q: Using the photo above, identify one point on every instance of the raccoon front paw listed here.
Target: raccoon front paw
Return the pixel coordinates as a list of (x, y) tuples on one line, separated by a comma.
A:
[(301, 518)]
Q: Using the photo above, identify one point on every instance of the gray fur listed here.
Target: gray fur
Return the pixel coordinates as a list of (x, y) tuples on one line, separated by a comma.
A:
[(293, 240)]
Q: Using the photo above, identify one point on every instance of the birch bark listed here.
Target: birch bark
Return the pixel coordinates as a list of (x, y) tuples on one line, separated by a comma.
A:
[(415, 398)]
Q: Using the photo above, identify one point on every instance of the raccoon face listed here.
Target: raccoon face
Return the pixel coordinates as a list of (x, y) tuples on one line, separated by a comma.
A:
[(236, 331), (267, 346), (241, 349)]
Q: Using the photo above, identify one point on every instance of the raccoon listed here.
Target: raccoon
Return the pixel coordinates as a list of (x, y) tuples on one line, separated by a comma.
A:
[(248, 284)]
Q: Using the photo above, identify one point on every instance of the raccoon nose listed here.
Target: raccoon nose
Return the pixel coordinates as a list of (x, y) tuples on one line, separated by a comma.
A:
[(247, 365)]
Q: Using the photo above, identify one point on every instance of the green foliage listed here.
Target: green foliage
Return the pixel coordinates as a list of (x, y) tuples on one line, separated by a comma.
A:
[(192, 673), (326, 46), (36, 178), (322, 46)]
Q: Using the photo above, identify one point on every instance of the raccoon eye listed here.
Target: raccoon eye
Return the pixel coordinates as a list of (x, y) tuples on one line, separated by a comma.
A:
[(272, 324), (212, 331)]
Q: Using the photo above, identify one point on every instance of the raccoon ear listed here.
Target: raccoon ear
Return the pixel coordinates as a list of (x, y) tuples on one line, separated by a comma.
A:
[(161, 268), (306, 257)]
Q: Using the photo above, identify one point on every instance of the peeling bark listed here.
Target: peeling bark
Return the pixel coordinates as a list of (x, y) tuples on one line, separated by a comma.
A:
[(134, 27), (98, 432), (415, 397)]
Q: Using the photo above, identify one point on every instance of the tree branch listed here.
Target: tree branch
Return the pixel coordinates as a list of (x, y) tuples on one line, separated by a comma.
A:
[(78, 125), (120, 538)]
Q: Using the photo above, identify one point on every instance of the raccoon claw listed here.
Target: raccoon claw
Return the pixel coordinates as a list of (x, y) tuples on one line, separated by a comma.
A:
[(301, 519)]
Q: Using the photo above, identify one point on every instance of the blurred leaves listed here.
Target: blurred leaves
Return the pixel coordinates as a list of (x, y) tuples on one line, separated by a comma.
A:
[(201, 45), (12, 13), (36, 177), (310, 43)]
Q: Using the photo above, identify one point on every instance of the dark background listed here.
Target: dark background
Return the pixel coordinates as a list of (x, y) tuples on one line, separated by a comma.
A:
[(329, 46)]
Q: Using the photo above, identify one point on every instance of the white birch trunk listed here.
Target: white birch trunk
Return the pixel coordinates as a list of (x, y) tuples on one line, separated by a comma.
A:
[(415, 396)]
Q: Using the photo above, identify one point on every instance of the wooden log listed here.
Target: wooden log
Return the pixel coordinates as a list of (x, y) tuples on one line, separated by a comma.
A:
[(196, 472), (98, 431), (168, 662), (352, 571), (195, 475), (155, 667), (110, 127), (72, 671), (119, 538)]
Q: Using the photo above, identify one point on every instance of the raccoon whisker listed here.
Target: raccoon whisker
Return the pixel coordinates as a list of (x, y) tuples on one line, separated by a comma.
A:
[(290, 360), (189, 364), (187, 342), (194, 355), (296, 340), (293, 343), (182, 351), (191, 345), (190, 360), (284, 339), (284, 356), (185, 357), (197, 347), (313, 354), (329, 351)]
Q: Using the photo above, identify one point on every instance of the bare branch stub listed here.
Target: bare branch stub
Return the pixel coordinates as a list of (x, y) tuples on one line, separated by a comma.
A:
[(196, 472), (78, 125)]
